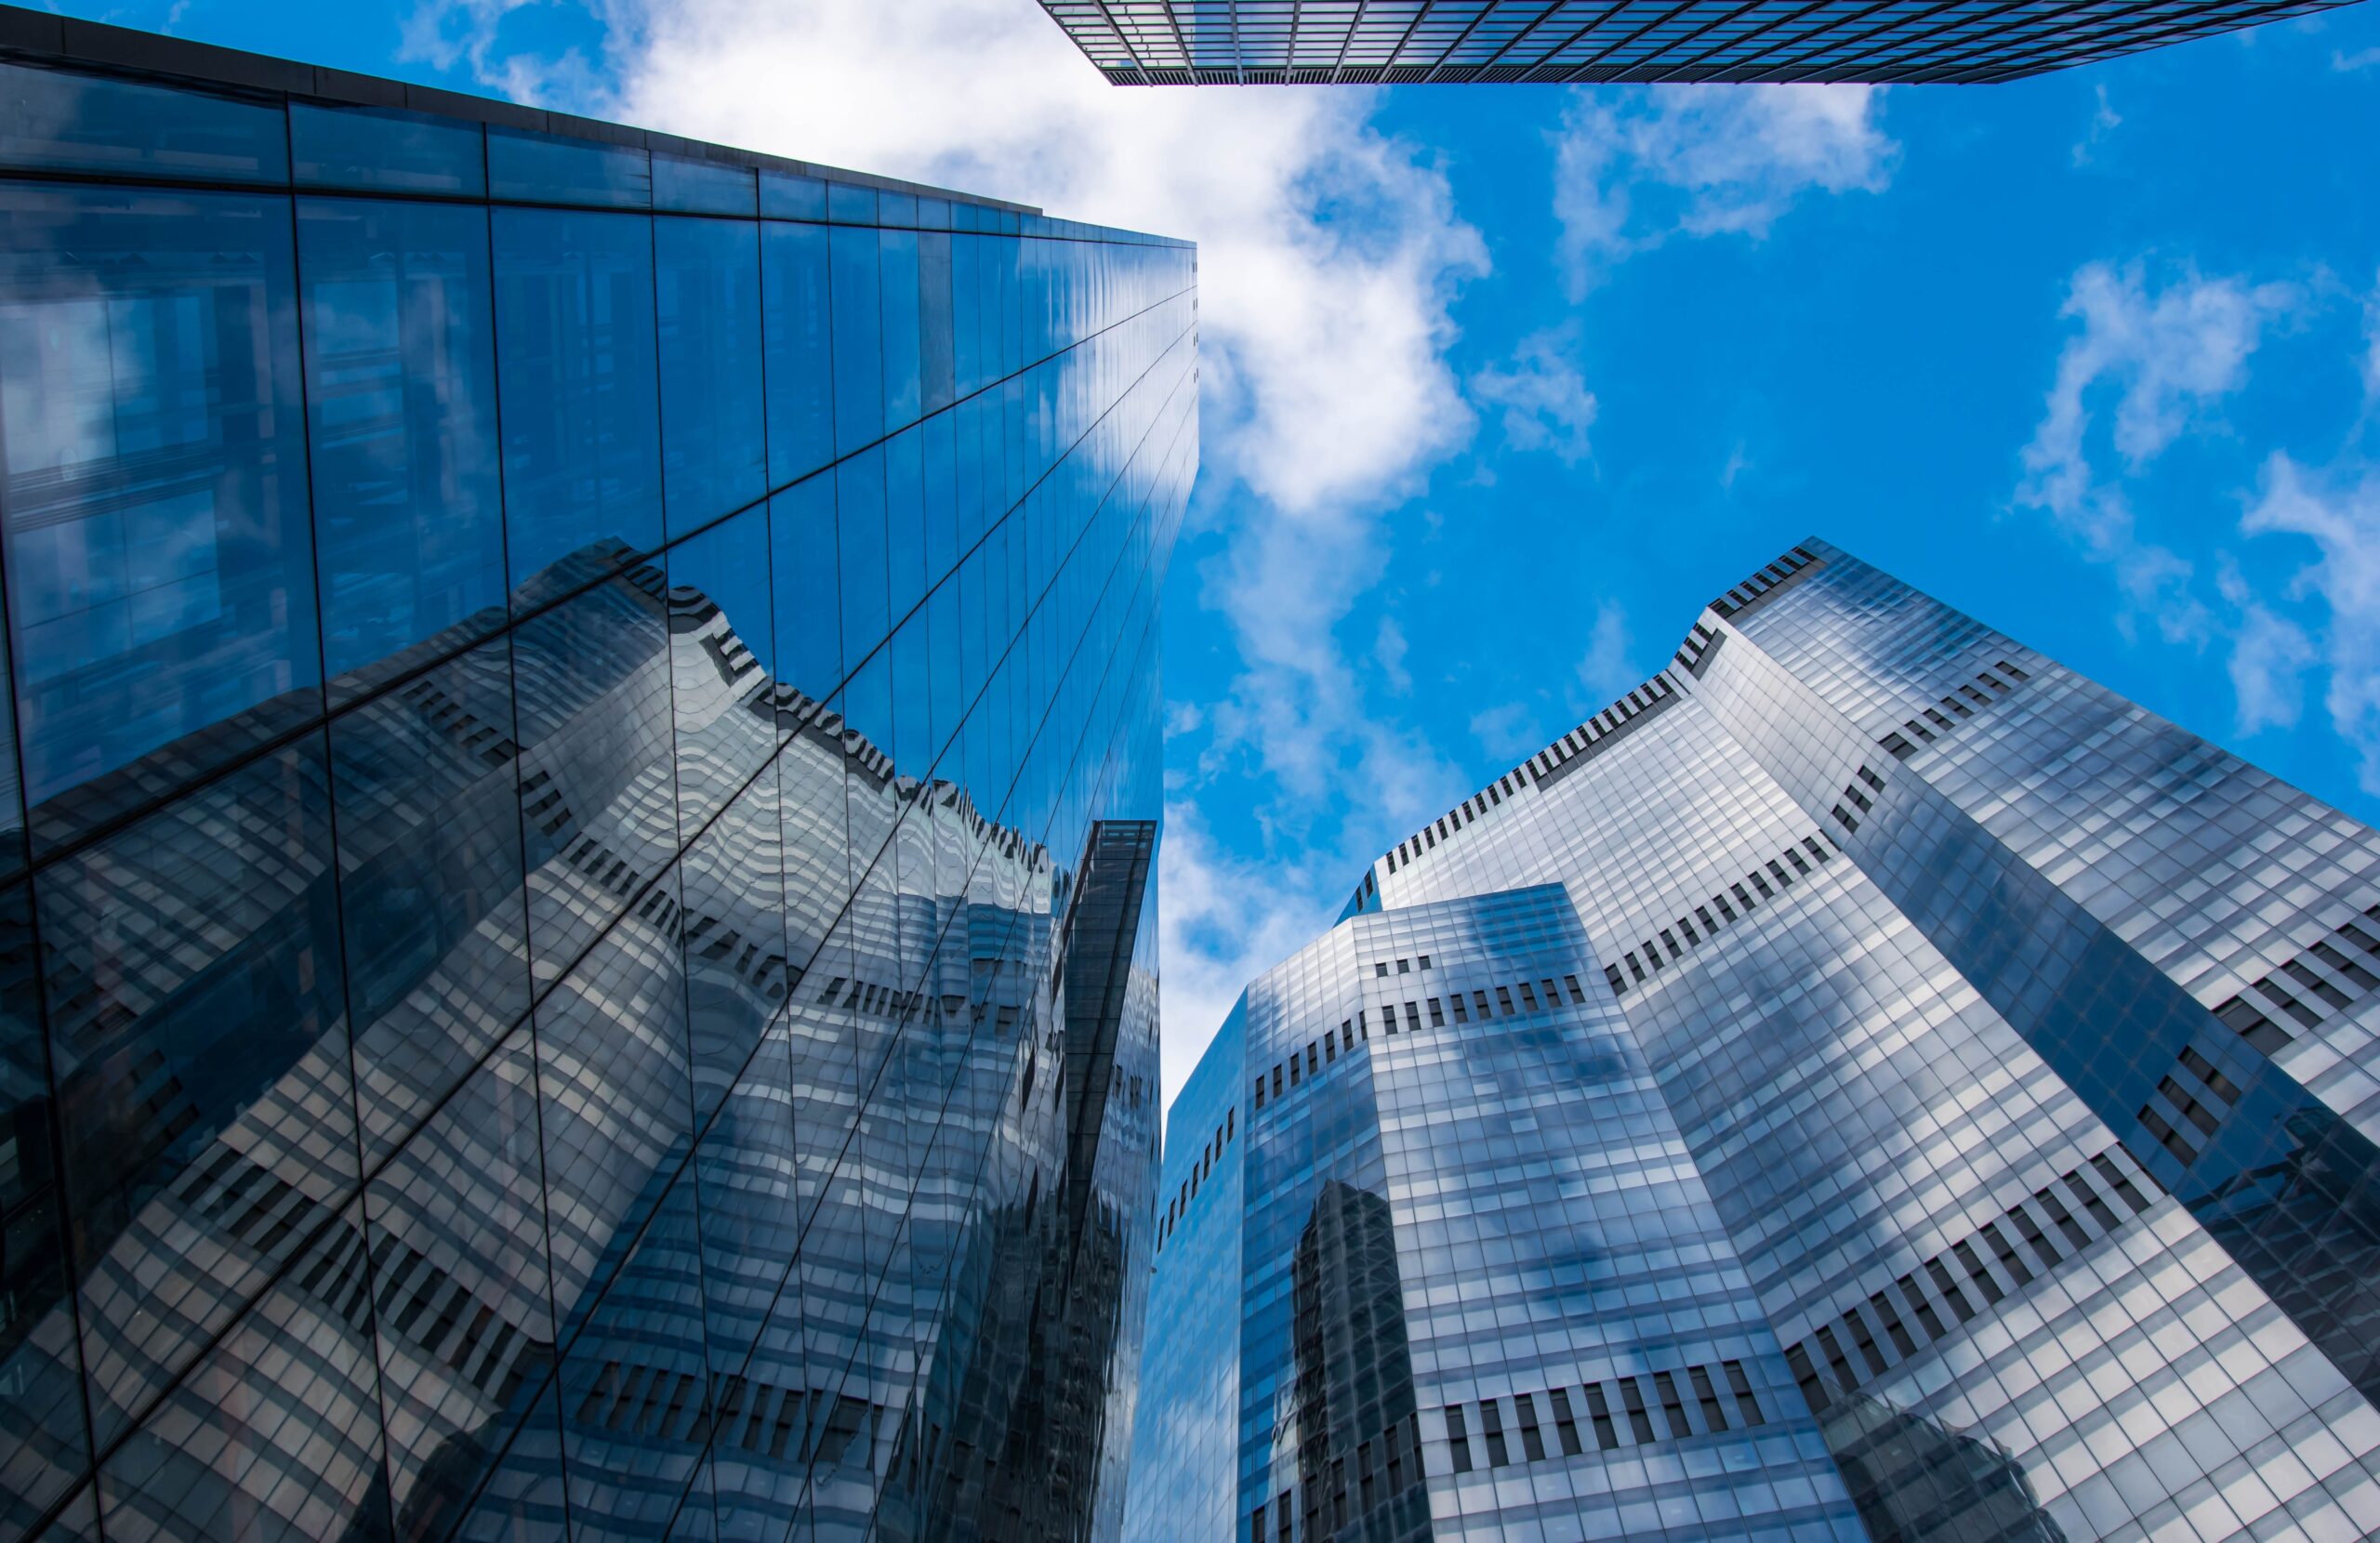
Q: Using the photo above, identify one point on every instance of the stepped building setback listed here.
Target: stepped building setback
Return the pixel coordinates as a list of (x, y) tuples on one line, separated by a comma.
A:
[(1869, 1082), (576, 950)]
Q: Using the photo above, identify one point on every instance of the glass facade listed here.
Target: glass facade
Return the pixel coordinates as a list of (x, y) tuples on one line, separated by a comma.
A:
[(576, 940), (1869, 1081), (1395, 42)]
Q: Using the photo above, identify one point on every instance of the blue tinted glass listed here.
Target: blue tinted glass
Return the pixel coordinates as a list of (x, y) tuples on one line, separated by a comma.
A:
[(809, 607), (800, 372), (861, 560), (904, 510), (576, 360), (735, 942), (159, 566), (858, 291), (379, 148), (941, 436), (901, 366), (934, 213), (554, 168), (424, 789), (714, 443), (849, 203), (54, 121), (693, 186), (912, 696), (790, 195), (401, 400), (937, 365), (12, 792), (896, 208)]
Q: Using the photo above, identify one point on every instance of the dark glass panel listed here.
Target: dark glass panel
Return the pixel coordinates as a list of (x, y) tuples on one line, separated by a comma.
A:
[(733, 938), (555, 168), (198, 1045), (464, 1323), (810, 775), (937, 367), (591, 679), (714, 438), (382, 149), (750, 1221), (276, 1432), (161, 584), (808, 596), (42, 1445), (615, 1098), (721, 644), (800, 371), (856, 286), (790, 195), (577, 359), (424, 783), (55, 120), (636, 1385), (12, 789), (401, 403), (689, 186), (761, 1457), (522, 1501)]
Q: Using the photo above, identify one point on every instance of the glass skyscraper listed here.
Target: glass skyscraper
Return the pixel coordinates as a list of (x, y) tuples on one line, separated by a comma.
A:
[(1869, 1081), (576, 947), (1582, 42)]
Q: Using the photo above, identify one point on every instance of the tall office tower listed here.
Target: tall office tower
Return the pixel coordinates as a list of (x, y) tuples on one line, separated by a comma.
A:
[(1868, 1081), (1584, 42), (581, 743)]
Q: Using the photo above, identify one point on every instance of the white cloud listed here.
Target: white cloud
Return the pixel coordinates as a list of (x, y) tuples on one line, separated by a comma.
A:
[(1388, 653), (2269, 657), (2104, 121), (1635, 167), (1507, 731), (2341, 515), (2169, 356), (1222, 922), (1606, 671), (2362, 58), (1544, 400)]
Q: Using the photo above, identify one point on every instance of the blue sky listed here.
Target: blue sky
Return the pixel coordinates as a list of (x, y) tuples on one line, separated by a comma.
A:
[(1505, 383)]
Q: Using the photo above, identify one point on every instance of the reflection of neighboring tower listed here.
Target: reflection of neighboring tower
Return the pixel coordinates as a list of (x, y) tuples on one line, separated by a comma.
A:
[(1354, 1399), (1041, 1393), (1917, 1481)]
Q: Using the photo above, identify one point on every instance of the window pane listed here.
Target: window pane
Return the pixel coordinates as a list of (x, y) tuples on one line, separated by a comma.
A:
[(808, 596), (790, 195), (697, 187), (159, 561), (429, 812), (582, 421), (466, 1329), (857, 292), (719, 643), (859, 528), (901, 365), (801, 363), (600, 817), (400, 399), (555, 168), (370, 147), (53, 120), (734, 939), (197, 1036), (714, 440)]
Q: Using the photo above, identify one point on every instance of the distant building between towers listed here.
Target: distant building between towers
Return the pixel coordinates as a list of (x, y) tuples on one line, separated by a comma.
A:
[(1584, 42)]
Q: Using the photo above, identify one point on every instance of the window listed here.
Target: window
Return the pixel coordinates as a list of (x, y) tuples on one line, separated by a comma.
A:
[(1381, 970), (1260, 1092), (1404, 967), (1848, 823), (1668, 940), (1438, 1015), (1612, 973), (1458, 1439), (1504, 1001), (1741, 899), (1412, 1017), (1454, 1000), (1479, 1000), (1528, 997), (1871, 779)]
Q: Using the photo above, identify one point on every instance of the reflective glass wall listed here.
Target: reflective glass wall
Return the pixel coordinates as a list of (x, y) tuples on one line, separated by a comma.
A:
[(2009, 1056), (563, 686)]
